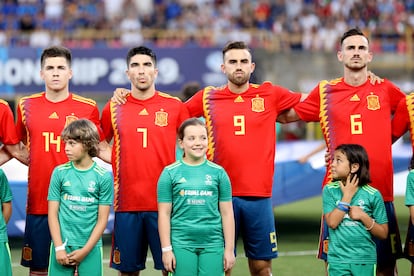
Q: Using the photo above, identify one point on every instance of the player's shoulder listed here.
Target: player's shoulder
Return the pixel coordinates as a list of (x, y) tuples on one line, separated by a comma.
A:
[(82, 99), (174, 165), (63, 167), (214, 165), (332, 185), (169, 97), (212, 89), (100, 170), (369, 189), (32, 97), (331, 82), (4, 103)]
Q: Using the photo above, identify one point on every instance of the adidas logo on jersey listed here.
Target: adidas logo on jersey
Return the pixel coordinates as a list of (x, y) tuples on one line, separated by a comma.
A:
[(53, 116), (355, 98)]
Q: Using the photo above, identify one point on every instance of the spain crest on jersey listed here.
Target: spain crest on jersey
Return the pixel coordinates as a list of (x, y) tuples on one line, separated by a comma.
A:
[(373, 102), (161, 118), (258, 104), (116, 258), (27, 253), (70, 119)]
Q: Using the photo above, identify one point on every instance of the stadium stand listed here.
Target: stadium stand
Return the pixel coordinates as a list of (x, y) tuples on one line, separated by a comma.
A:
[(278, 25)]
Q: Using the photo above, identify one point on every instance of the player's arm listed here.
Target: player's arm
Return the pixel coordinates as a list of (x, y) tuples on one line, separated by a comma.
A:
[(288, 116), (305, 158), (76, 256), (105, 151), (54, 228), (334, 218), (18, 151), (400, 121), (6, 210), (164, 229), (380, 231), (227, 218)]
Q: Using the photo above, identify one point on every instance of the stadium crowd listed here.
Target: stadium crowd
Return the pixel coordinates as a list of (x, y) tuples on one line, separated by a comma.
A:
[(280, 25)]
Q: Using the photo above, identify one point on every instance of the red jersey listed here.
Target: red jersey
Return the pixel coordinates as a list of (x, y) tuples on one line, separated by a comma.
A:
[(242, 132), (357, 115), (403, 119), (40, 123), (8, 133), (144, 136)]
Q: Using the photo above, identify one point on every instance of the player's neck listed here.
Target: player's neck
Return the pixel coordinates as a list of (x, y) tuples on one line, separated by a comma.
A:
[(57, 96), (143, 94), (355, 78), (84, 163), (238, 89), (193, 161)]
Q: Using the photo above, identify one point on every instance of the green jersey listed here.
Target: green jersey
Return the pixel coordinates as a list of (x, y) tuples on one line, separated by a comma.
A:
[(5, 196), (195, 193), (409, 191), (351, 242), (79, 192)]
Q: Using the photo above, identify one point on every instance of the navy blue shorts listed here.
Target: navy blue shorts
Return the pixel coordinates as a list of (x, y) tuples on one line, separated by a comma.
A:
[(133, 233), (390, 249), (36, 247), (255, 220), (409, 242)]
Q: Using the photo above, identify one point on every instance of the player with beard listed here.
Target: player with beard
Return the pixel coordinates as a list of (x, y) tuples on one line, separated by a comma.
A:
[(240, 117)]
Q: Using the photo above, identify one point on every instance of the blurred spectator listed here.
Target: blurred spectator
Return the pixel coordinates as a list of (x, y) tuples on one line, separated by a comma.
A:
[(40, 38), (53, 9)]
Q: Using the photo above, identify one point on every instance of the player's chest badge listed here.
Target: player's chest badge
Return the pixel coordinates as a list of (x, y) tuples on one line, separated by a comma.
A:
[(70, 118), (258, 104), (161, 118), (373, 102)]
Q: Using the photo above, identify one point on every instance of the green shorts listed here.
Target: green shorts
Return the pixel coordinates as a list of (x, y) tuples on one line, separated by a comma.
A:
[(342, 269), (199, 261), (91, 264), (5, 259)]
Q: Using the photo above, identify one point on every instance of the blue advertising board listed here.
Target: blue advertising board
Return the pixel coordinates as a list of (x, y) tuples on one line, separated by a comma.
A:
[(101, 70)]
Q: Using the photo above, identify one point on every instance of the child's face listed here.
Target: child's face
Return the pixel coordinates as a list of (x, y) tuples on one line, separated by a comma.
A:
[(75, 151), (341, 167), (194, 143)]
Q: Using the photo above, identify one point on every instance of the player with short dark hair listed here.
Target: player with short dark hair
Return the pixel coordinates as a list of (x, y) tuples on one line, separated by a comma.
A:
[(144, 132)]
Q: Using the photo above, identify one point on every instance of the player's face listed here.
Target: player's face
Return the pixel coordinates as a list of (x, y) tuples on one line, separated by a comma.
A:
[(142, 72), (75, 151), (56, 74), (355, 54), (238, 66), (340, 165), (194, 143)]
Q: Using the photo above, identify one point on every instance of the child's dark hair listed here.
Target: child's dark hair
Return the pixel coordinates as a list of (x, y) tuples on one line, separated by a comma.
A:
[(56, 51), (189, 122), (85, 132), (357, 154)]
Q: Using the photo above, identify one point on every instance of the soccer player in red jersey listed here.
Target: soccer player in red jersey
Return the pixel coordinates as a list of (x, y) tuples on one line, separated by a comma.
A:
[(144, 133), (8, 136), (241, 120), (41, 118), (403, 119), (351, 109)]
